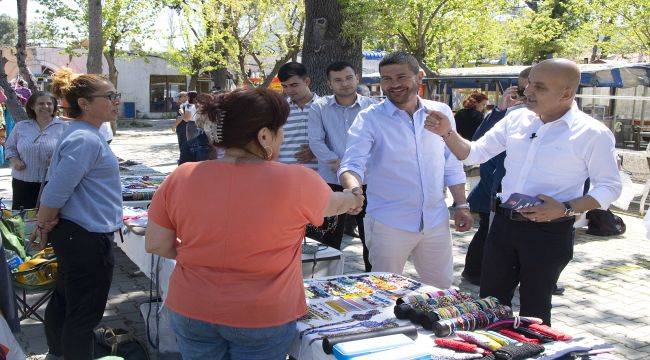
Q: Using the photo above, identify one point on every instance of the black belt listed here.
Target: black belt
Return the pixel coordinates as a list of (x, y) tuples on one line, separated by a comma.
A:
[(517, 216)]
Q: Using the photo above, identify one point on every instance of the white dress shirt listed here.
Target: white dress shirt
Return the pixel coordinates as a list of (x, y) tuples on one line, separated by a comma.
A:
[(405, 166), (553, 159)]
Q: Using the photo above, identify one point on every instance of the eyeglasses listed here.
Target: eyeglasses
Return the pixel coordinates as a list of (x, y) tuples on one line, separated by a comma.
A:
[(112, 96)]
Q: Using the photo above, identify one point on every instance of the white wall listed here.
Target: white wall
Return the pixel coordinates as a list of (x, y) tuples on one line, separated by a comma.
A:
[(133, 80), (133, 73)]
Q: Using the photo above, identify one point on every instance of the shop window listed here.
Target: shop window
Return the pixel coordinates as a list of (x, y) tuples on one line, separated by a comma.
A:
[(163, 92)]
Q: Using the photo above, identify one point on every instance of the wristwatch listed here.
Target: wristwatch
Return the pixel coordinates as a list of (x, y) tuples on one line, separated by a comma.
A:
[(462, 206), (568, 209)]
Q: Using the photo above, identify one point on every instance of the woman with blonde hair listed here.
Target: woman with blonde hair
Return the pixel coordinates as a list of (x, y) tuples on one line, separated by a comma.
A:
[(81, 208), (234, 226)]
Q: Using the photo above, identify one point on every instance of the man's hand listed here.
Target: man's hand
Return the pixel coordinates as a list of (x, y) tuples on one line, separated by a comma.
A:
[(550, 209), (358, 192), (437, 122), (304, 155), (174, 128), (17, 164), (509, 98), (463, 220), (334, 165)]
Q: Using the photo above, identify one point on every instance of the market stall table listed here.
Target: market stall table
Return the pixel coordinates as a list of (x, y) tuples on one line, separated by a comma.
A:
[(341, 308)]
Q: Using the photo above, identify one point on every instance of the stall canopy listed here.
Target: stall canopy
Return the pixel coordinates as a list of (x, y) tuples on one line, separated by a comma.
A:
[(601, 75)]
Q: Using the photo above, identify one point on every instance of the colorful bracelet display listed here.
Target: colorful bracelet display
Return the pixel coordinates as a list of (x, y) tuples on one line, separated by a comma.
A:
[(449, 310)]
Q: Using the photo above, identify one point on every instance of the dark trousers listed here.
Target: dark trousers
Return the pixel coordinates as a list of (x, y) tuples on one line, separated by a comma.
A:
[(474, 256), (527, 253), (25, 194), (334, 237), (181, 135), (84, 278)]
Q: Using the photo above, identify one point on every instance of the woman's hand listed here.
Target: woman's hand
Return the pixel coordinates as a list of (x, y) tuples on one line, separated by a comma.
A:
[(358, 200), (17, 164)]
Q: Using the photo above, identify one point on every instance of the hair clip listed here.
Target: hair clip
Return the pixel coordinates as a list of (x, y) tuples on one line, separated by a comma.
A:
[(214, 129)]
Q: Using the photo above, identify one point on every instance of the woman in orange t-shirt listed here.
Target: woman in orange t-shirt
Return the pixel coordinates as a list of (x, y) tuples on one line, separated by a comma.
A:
[(235, 226)]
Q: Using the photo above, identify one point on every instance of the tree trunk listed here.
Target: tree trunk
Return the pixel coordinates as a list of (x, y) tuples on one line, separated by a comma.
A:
[(324, 42), (13, 105), (110, 60), (21, 46), (220, 78), (95, 41), (194, 80)]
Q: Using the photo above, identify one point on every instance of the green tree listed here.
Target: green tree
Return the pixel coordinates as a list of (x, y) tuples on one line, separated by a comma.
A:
[(124, 23), (8, 30), (626, 25), (551, 28), (222, 33), (437, 32)]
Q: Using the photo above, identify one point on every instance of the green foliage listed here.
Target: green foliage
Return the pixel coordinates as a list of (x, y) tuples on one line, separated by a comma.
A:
[(123, 22), (439, 33), (232, 33), (8, 30), (625, 25)]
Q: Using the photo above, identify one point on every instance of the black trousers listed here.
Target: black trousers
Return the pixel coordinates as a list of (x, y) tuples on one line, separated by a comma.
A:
[(84, 278), (530, 254), (474, 256), (334, 237), (25, 194)]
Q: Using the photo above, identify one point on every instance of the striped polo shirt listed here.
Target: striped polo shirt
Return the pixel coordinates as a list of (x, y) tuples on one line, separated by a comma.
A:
[(295, 134)]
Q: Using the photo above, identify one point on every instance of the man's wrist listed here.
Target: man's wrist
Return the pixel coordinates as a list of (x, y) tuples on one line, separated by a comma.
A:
[(461, 205)]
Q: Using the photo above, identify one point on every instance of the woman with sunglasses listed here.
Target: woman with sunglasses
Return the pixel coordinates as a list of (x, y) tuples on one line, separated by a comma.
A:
[(81, 208), (30, 147)]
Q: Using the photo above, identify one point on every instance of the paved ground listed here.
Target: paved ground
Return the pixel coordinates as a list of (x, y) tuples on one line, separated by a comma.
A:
[(606, 290)]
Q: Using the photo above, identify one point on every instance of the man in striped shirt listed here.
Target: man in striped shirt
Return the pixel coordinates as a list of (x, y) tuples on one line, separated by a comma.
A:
[(295, 84)]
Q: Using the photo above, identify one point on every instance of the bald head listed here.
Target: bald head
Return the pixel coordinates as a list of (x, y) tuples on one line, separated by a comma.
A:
[(563, 70), (552, 88)]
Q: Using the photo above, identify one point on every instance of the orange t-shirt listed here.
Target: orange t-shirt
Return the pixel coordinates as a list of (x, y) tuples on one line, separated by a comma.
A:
[(240, 227)]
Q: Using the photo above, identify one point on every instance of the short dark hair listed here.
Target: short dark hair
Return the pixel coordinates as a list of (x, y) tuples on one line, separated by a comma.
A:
[(401, 57), (292, 69), (245, 112), (191, 97), (338, 66), (29, 106), (525, 73)]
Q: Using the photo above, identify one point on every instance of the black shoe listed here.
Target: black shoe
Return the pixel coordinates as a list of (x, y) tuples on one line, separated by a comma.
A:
[(353, 231), (474, 280), (558, 290)]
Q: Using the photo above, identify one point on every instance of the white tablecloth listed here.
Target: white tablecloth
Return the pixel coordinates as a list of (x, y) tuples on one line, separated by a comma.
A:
[(328, 261)]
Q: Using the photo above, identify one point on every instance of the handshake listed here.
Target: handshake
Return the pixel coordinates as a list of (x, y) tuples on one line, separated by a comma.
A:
[(356, 200)]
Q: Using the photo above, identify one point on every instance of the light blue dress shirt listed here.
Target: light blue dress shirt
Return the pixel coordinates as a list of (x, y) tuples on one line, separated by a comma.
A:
[(328, 129), (84, 180), (405, 166)]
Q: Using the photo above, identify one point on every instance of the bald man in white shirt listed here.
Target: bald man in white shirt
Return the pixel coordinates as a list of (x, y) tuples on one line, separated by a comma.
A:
[(552, 148)]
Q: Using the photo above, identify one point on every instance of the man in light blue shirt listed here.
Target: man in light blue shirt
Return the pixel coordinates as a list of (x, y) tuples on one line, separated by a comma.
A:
[(407, 169), (330, 117)]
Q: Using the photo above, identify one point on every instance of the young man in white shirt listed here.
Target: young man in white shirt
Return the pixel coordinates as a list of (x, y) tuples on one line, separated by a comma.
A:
[(551, 149)]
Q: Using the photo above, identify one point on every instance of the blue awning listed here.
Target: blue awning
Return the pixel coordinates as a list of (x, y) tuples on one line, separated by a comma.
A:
[(373, 55)]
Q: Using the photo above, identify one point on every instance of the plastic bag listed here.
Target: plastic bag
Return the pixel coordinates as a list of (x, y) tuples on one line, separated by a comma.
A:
[(627, 193), (8, 341)]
